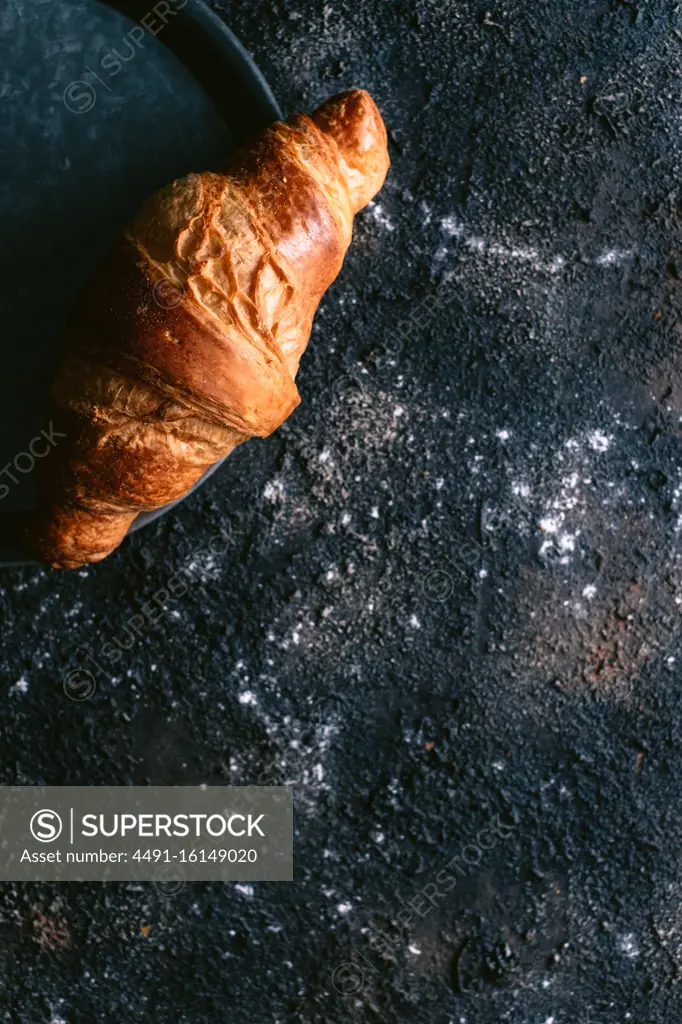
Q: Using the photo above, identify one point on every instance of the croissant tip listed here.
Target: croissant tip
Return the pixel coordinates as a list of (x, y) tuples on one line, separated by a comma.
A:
[(353, 120)]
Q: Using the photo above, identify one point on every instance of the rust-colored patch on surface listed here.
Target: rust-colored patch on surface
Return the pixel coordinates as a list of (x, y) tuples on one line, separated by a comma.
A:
[(50, 933), (609, 643)]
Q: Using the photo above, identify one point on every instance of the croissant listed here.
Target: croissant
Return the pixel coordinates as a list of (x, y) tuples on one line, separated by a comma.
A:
[(187, 340)]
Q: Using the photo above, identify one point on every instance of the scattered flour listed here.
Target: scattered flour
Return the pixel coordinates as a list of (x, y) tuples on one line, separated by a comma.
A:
[(247, 698), (204, 566), (376, 211), (569, 499), (600, 442), (303, 746), (524, 253), (274, 490), (628, 946)]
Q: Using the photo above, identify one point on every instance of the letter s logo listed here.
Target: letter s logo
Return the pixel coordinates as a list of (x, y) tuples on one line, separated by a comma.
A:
[(46, 826)]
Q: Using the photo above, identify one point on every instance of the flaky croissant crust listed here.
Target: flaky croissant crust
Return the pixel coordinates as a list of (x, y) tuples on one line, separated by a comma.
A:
[(188, 339)]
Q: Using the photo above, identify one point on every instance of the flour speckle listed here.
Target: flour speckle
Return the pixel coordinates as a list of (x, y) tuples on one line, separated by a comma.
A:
[(599, 441), (376, 211), (274, 490), (628, 946), (247, 698)]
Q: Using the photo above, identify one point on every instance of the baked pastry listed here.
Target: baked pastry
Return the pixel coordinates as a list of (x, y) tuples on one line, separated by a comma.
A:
[(187, 340)]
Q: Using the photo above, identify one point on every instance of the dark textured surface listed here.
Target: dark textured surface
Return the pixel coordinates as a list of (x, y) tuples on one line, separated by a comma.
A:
[(453, 590)]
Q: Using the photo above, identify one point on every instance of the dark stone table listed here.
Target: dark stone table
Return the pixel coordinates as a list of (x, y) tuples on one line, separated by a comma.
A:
[(451, 606)]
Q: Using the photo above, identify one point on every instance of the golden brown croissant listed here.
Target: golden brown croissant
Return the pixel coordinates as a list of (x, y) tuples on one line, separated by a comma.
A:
[(188, 339)]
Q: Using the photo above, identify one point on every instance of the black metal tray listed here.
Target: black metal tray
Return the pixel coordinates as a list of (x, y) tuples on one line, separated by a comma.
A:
[(101, 106)]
